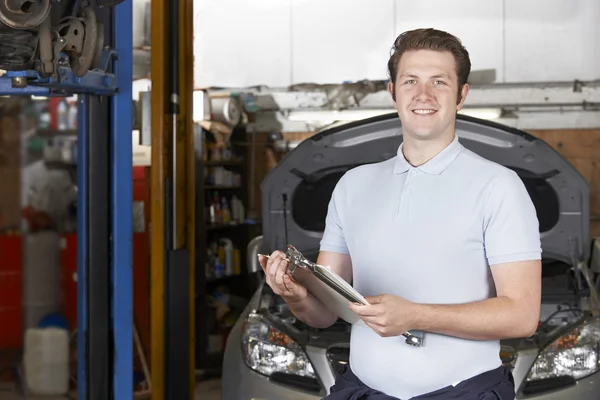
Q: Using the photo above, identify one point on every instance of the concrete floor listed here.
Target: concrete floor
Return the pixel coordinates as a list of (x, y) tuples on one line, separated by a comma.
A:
[(206, 390)]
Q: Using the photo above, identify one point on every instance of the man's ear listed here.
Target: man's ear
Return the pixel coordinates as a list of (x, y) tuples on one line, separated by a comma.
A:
[(391, 90), (462, 96)]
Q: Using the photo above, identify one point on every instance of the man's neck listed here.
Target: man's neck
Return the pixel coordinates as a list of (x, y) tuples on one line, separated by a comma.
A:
[(418, 152)]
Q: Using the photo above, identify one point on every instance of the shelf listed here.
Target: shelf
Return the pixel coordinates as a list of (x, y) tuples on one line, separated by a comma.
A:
[(224, 278), (222, 187), (56, 132), (224, 163), (219, 227)]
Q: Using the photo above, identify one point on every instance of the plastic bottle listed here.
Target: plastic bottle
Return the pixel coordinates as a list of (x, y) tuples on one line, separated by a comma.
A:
[(62, 117), (46, 361), (228, 256), (235, 211), (241, 211), (72, 116), (225, 211)]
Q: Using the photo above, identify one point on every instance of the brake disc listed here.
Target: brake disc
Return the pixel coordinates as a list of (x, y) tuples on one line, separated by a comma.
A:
[(23, 14), (83, 56)]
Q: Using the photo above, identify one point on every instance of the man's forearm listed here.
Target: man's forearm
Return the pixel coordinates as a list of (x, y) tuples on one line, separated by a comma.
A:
[(491, 319), (312, 312)]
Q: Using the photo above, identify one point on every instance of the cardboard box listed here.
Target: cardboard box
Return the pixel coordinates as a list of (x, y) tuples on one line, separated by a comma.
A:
[(10, 133)]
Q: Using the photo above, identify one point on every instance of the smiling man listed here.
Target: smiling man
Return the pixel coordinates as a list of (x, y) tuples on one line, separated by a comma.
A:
[(439, 239)]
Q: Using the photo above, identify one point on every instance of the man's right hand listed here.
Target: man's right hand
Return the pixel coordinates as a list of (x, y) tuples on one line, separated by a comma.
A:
[(277, 277)]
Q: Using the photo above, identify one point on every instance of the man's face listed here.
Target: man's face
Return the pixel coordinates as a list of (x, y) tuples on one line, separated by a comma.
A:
[(426, 93)]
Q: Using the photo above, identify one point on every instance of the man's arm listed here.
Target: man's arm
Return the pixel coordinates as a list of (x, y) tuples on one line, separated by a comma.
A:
[(310, 310), (512, 246), (514, 313)]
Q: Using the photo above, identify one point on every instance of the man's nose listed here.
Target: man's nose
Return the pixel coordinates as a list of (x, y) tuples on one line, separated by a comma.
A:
[(423, 92)]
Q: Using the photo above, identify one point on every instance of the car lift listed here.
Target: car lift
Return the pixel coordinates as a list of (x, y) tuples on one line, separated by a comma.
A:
[(104, 212)]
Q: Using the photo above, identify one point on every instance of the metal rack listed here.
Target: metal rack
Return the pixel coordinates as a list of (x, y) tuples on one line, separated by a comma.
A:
[(105, 299)]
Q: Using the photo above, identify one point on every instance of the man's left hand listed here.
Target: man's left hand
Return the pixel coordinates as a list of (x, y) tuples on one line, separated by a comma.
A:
[(387, 315)]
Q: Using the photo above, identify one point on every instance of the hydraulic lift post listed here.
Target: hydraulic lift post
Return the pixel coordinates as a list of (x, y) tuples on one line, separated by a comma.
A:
[(104, 203), (105, 294)]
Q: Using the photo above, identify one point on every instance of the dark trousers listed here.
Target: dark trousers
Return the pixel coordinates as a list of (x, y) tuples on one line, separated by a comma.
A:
[(497, 384)]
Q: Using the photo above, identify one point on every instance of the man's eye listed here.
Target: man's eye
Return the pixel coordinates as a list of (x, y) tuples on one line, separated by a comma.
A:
[(410, 81), (439, 82)]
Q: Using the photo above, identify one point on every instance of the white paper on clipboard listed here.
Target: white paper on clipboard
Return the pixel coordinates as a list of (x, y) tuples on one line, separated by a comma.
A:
[(331, 289)]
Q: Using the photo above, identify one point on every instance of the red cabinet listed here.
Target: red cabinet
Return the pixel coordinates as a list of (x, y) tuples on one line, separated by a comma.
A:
[(11, 292)]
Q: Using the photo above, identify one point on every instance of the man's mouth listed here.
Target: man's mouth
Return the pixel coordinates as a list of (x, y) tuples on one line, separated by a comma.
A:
[(424, 111)]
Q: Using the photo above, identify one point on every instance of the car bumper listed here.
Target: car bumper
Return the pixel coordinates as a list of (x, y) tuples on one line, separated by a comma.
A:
[(241, 383)]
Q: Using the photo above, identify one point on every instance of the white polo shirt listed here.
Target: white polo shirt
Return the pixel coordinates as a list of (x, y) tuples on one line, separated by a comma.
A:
[(428, 234)]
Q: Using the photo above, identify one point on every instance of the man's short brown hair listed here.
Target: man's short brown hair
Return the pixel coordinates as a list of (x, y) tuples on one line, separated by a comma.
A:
[(431, 39)]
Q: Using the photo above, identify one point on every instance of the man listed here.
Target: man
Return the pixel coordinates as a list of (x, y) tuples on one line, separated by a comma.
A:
[(441, 241)]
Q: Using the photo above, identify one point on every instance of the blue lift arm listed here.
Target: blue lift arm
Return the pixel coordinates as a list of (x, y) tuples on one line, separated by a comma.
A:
[(105, 298)]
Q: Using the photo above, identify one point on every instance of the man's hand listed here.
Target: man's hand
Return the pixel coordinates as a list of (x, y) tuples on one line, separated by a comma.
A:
[(277, 277), (303, 305), (387, 315)]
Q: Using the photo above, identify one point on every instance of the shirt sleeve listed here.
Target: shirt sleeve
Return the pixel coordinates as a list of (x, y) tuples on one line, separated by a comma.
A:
[(511, 226), (333, 239)]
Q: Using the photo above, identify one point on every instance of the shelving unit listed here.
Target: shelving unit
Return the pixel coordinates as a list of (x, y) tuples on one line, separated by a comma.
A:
[(223, 286)]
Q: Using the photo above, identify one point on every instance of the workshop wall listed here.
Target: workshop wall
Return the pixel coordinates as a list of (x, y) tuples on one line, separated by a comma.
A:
[(278, 43), (581, 148)]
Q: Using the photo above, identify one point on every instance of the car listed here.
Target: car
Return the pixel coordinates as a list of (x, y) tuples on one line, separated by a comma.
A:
[(271, 355)]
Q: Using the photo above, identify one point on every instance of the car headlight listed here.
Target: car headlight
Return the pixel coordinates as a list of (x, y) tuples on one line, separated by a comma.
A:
[(574, 354), (267, 350)]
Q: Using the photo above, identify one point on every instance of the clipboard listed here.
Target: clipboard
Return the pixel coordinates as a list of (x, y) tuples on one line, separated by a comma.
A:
[(331, 289)]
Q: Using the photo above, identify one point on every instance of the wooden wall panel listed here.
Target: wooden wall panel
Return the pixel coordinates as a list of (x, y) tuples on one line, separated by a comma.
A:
[(581, 147)]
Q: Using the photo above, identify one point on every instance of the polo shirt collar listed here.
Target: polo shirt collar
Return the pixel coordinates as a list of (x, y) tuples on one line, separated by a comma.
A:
[(436, 165)]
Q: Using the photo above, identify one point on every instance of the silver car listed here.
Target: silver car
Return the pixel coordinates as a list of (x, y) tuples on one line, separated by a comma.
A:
[(270, 355)]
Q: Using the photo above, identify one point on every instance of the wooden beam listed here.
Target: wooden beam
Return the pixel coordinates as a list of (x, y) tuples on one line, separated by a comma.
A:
[(159, 173)]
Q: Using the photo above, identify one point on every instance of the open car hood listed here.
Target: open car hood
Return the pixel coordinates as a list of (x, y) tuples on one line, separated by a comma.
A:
[(295, 194)]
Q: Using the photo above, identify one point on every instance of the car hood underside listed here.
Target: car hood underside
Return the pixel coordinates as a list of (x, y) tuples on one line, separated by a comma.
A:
[(297, 191)]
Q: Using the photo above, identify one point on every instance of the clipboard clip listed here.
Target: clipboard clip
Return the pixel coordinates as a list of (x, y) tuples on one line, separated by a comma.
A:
[(296, 259)]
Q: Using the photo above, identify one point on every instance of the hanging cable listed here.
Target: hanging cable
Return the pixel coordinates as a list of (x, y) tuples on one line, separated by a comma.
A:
[(285, 225)]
